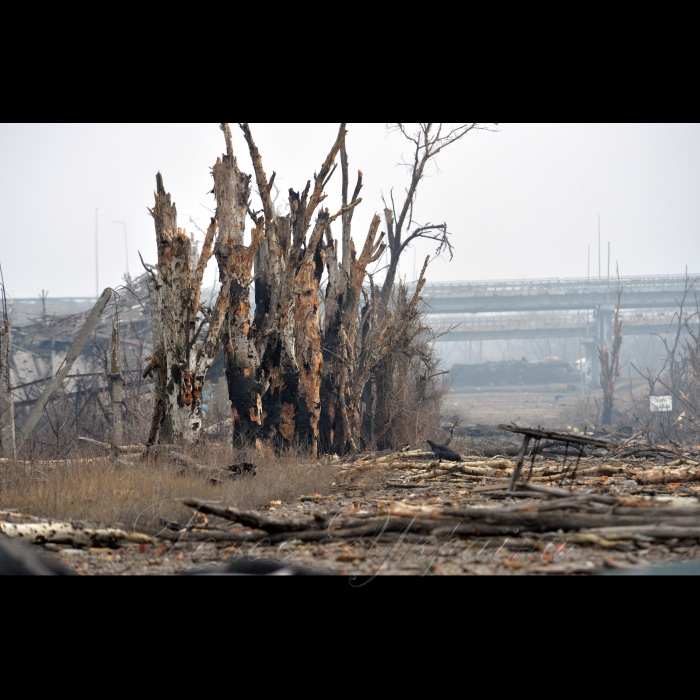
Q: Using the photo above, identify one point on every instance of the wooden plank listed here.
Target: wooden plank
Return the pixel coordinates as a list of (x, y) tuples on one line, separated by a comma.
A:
[(73, 352)]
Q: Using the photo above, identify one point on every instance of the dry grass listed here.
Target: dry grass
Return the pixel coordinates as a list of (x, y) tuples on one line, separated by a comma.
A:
[(138, 494)]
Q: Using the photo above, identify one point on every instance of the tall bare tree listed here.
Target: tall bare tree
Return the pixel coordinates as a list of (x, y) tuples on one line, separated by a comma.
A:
[(179, 362), (7, 418), (427, 140), (287, 324), (610, 364)]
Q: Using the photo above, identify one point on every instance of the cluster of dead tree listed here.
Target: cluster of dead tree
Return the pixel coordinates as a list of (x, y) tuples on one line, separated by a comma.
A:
[(678, 377), (310, 366)]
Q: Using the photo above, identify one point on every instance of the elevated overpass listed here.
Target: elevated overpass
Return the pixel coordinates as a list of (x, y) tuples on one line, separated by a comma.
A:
[(556, 294), (547, 324), (557, 308)]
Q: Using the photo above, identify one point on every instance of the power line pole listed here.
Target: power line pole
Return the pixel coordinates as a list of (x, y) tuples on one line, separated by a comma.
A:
[(126, 248), (97, 275), (599, 275)]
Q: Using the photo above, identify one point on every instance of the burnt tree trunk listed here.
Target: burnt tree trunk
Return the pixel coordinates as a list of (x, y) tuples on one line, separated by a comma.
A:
[(232, 192), (287, 318), (178, 364)]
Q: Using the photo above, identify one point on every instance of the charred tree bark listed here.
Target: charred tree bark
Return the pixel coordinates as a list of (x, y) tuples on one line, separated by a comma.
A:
[(245, 388), (287, 318)]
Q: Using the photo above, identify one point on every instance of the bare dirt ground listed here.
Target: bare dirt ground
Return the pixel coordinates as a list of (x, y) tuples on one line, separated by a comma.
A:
[(366, 495), (549, 406)]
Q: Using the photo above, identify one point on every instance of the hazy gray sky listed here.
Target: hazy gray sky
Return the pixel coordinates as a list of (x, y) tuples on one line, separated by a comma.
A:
[(520, 203)]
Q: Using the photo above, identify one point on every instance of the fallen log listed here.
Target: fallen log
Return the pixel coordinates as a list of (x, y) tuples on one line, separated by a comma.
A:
[(578, 511), (660, 531), (403, 485), (560, 492), (251, 518), (68, 533), (211, 535), (123, 449), (74, 350), (215, 475), (52, 463), (663, 476)]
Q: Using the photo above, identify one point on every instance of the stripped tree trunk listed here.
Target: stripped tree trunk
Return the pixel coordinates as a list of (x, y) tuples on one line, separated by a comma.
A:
[(232, 191), (115, 377), (341, 429), (287, 319), (178, 364), (384, 333), (610, 365), (7, 416)]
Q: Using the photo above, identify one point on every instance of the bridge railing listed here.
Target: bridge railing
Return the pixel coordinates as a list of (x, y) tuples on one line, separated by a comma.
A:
[(545, 320), (556, 286)]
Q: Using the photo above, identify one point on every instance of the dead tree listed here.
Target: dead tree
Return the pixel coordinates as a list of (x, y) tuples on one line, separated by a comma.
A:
[(245, 388), (117, 384), (179, 363), (287, 327), (610, 364), (7, 417), (427, 141), (680, 373), (346, 276)]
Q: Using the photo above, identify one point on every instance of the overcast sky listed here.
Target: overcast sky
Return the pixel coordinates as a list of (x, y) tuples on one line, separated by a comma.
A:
[(520, 203)]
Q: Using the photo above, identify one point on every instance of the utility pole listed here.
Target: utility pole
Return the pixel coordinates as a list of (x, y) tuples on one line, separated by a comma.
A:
[(599, 275), (97, 275), (126, 249)]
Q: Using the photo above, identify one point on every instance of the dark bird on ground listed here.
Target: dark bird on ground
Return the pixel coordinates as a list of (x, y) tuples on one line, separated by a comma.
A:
[(444, 452)]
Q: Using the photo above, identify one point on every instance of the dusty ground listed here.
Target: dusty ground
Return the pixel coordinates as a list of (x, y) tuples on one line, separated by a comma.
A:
[(364, 490), (340, 489), (549, 406)]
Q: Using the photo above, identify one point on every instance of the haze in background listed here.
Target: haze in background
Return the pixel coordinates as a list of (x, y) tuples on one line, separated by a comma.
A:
[(520, 203)]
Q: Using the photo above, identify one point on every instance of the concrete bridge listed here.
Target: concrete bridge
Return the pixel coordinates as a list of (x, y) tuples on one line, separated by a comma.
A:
[(652, 292), (524, 325), (557, 308)]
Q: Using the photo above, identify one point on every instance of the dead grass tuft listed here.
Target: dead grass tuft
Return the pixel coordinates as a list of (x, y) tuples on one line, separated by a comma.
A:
[(137, 493)]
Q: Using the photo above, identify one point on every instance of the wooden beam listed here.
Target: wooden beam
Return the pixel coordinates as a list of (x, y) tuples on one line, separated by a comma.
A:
[(73, 352)]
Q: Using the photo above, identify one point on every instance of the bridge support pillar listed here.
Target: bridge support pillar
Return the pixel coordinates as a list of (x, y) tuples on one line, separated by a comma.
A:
[(592, 372), (604, 333)]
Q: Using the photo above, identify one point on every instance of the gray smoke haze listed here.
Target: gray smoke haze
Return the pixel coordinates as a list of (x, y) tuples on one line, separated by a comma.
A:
[(520, 203)]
